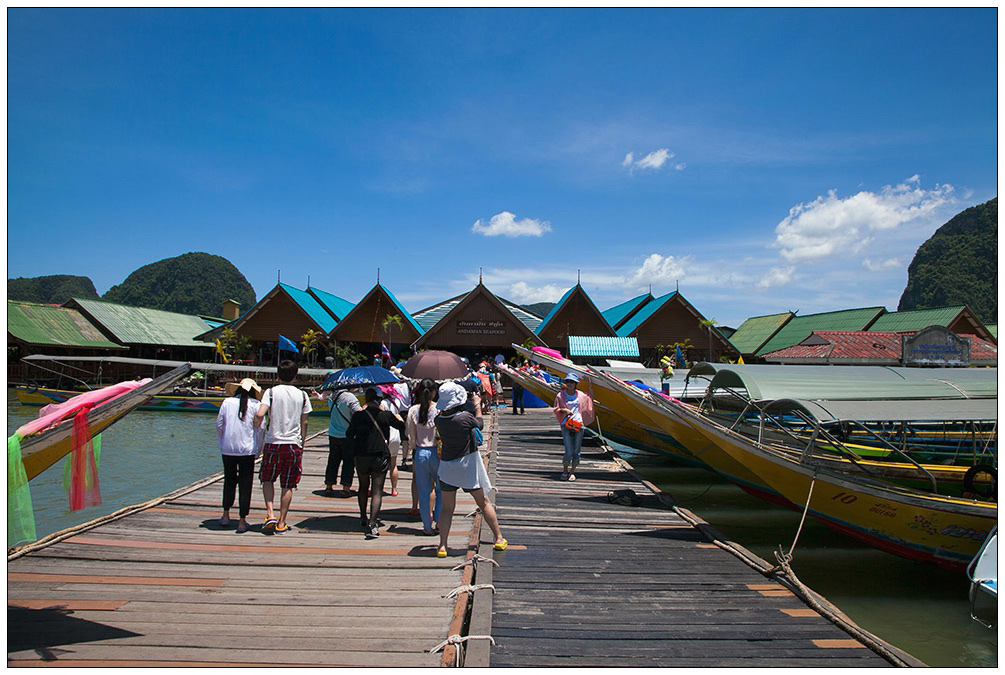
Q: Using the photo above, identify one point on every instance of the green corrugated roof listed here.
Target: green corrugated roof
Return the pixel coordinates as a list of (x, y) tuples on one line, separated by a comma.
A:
[(643, 314), (336, 305), (603, 347), (799, 328), (140, 325), (619, 313), (915, 320), (311, 307), (992, 328), (429, 317), (757, 330), (51, 325)]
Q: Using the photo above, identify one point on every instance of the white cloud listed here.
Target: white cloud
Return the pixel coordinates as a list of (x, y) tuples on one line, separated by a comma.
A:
[(523, 293), (659, 271), (880, 265), (655, 161), (832, 227), (776, 276), (507, 225)]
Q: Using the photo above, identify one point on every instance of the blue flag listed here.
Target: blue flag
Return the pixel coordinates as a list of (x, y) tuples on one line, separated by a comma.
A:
[(681, 363), (286, 345)]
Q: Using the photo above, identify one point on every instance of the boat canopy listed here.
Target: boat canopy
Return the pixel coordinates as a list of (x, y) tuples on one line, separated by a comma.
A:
[(942, 410), (168, 365), (851, 383)]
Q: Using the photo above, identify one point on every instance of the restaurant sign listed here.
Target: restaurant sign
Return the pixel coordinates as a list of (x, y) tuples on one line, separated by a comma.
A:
[(935, 346), (468, 327)]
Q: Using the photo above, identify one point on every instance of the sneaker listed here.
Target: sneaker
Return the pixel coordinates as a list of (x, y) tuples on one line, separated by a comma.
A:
[(373, 533), (565, 476)]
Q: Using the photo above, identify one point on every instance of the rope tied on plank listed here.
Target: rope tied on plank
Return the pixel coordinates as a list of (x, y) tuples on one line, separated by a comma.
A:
[(457, 641), (467, 589), (476, 558)]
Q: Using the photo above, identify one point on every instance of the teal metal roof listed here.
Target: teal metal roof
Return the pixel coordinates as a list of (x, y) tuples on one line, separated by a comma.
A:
[(558, 305), (333, 303), (756, 331), (851, 383), (620, 313), (798, 328), (429, 317), (643, 314), (915, 320), (144, 326), (404, 313), (52, 325), (311, 307), (603, 347), (531, 321)]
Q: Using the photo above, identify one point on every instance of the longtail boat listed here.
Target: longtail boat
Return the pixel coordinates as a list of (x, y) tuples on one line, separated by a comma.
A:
[(193, 398), (42, 446)]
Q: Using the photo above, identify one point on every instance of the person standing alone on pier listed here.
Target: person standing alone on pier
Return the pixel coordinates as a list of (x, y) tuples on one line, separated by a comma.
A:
[(574, 411), (461, 465), (288, 408), (240, 442)]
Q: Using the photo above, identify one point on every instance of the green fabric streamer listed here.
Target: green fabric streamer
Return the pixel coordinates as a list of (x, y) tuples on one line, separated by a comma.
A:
[(20, 517)]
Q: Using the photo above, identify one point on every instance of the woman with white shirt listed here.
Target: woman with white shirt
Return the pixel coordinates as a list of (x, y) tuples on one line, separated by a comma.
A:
[(421, 431), (240, 443)]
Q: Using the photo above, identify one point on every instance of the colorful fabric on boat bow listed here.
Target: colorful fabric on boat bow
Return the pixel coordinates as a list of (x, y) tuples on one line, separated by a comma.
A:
[(20, 517), (83, 488)]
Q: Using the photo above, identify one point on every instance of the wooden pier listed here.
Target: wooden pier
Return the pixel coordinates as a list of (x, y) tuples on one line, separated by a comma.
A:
[(583, 583)]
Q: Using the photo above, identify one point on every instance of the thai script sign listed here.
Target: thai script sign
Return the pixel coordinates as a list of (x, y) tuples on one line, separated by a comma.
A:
[(935, 346), (481, 327)]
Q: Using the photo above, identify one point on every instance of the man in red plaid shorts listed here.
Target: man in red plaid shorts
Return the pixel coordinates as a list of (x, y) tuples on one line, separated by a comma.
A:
[(288, 408)]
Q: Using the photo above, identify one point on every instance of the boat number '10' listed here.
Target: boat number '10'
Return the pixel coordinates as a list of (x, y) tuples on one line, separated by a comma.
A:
[(845, 498)]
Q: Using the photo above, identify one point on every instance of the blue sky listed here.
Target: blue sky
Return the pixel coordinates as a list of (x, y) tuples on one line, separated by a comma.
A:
[(764, 160)]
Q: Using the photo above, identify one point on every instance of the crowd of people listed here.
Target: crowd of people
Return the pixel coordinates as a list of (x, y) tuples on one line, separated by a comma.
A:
[(437, 425)]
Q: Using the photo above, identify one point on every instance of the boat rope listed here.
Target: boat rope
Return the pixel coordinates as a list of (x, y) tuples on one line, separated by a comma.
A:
[(802, 520), (467, 589), (457, 641), (477, 558)]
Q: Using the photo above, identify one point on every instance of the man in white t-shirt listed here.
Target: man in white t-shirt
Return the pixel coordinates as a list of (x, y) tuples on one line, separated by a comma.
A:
[(282, 457)]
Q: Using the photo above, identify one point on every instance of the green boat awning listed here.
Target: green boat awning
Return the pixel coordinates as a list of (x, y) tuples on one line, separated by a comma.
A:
[(851, 383), (942, 410)]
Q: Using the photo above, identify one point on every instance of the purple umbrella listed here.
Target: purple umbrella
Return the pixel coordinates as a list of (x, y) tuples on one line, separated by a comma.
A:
[(435, 365)]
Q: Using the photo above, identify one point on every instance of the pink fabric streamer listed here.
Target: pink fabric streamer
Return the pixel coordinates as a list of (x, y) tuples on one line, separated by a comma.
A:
[(85, 491), (55, 413)]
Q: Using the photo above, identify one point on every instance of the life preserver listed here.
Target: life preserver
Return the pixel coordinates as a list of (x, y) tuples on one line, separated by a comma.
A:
[(974, 471)]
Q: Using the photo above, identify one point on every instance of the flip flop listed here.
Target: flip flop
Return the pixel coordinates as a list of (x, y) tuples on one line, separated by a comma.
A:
[(441, 553), (280, 529), (394, 493), (270, 525), (241, 529), (501, 546), (224, 522)]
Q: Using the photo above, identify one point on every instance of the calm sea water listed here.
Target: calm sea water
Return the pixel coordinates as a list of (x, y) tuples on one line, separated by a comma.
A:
[(919, 608)]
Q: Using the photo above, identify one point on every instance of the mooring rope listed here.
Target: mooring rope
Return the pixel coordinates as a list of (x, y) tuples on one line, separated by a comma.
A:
[(476, 558), (457, 641), (468, 588)]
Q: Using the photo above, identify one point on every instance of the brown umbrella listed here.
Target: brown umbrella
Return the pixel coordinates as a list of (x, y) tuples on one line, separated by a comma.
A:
[(436, 365)]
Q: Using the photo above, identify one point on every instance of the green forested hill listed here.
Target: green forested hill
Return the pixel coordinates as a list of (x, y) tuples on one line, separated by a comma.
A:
[(958, 265), (55, 289), (193, 283)]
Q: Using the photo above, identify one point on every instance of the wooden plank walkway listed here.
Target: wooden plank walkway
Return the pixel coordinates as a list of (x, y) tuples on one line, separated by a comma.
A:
[(589, 583), (167, 586)]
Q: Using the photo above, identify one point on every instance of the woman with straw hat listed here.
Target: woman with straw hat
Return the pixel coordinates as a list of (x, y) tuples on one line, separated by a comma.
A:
[(240, 443)]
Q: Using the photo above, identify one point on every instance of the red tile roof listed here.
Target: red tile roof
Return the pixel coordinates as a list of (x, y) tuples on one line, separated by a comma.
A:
[(865, 346)]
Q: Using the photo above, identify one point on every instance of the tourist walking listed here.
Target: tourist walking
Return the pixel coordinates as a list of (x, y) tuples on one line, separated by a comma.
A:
[(421, 431), (393, 403), (240, 442), (344, 405), (461, 464), (574, 411), (368, 434), (288, 408)]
